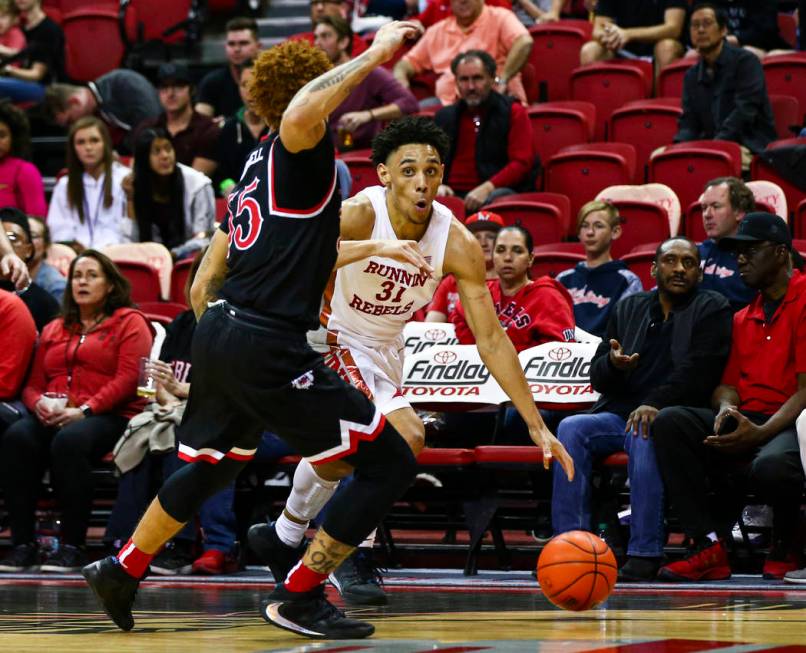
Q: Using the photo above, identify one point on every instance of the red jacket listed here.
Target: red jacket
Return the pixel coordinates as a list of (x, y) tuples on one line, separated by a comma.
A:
[(99, 369), (541, 311), (17, 339)]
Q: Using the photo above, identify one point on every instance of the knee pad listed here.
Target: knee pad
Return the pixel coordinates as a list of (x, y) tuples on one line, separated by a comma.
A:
[(384, 469), (188, 488), (310, 492)]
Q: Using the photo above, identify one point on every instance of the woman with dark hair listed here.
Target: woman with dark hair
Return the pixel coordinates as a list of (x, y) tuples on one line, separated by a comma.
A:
[(20, 181), (88, 207), (170, 202), (530, 311), (82, 390)]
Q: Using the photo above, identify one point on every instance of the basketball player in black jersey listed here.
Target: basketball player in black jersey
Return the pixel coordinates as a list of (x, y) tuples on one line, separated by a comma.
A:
[(257, 292)]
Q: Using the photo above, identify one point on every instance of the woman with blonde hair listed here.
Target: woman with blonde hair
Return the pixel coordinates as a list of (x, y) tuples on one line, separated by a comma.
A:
[(88, 208)]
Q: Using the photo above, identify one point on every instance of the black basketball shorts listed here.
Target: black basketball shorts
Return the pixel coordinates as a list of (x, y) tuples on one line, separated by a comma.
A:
[(250, 376)]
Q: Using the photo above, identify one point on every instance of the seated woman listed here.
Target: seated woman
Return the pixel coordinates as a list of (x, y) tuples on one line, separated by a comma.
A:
[(171, 203), (20, 181), (90, 356), (530, 311), (88, 207)]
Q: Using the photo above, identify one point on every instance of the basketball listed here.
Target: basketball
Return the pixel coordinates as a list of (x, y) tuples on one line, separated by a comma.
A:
[(576, 570)]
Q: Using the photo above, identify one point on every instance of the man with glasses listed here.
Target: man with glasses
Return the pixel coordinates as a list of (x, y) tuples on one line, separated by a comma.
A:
[(43, 307), (747, 440), (322, 8), (724, 93)]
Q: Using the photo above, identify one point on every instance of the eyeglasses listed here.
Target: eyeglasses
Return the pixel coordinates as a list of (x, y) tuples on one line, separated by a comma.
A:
[(12, 237)]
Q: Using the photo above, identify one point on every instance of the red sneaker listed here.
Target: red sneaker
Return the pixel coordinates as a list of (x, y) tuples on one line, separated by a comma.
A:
[(776, 567), (706, 562), (214, 563)]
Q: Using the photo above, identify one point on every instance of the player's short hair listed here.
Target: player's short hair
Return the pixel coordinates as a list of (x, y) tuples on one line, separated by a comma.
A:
[(340, 26), (693, 245), (241, 23), (485, 57), (280, 72), (613, 217), (740, 196), (720, 14), (408, 130), (527, 236)]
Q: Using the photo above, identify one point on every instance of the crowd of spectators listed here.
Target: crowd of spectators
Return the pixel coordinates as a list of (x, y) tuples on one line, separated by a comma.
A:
[(144, 162)]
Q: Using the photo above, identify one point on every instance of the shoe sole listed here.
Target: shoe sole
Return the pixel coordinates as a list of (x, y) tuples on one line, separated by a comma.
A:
[(714, 574), (271, 613), (795, 581), (90, 576), (164, 571)]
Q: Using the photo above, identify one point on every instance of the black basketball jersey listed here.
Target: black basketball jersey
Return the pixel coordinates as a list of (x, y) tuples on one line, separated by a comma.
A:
[(283, 225)]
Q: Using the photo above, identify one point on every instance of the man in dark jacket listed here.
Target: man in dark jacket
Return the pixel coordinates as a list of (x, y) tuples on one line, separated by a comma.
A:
[(491, 136), (663, 348), (724, 93)]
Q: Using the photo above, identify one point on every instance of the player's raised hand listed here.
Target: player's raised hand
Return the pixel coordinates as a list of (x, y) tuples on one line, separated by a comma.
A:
[(553, 449), (392, 35), (405, 251)]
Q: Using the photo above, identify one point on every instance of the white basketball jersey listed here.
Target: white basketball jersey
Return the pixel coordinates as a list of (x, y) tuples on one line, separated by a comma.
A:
[(374, 298)]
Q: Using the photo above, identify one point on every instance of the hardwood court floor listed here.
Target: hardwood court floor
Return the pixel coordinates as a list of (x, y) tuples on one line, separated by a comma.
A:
[(429, 610)]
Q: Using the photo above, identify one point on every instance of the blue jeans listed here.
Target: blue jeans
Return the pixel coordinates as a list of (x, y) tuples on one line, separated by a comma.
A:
[(588, 438), (19, 90)]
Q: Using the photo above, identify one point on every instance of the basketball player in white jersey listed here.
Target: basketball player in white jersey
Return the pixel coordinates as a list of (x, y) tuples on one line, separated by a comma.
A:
[(396, 244)]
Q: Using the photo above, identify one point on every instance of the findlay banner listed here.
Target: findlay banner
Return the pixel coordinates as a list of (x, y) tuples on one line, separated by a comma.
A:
[(419, 336), (557, 373)]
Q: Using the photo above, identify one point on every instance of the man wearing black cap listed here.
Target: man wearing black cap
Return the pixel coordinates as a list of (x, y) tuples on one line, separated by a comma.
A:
[(194, 135), (748, 441)]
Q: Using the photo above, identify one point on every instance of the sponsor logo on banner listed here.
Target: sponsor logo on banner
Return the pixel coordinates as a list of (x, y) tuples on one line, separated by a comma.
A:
[(448, 374), (559, 372), (420, 336)]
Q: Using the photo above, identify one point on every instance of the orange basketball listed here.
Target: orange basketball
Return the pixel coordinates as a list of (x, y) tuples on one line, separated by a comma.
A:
[(576, 570)]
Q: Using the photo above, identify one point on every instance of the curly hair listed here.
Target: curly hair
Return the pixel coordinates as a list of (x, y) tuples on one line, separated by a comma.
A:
[(280, 72), (20, 129), (411, 129)]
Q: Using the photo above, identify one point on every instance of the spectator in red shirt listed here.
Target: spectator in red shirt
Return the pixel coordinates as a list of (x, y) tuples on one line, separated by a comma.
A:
[(530, 311), (91, 356), (485, 226), (749, 438), (16, 346), (491, 136)]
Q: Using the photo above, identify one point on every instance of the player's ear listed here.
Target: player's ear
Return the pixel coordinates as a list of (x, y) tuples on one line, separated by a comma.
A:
[(383, 174)]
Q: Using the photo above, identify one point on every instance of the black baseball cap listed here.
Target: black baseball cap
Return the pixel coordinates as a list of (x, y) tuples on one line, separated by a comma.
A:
[(173, 72), (757, 227)]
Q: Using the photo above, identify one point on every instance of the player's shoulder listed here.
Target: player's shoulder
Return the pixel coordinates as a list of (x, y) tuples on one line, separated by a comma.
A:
[(357, 217)]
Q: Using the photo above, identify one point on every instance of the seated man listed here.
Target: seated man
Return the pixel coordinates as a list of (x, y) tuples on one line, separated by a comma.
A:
[(747, 438), (662, 348), (725, 201), (598, 283), (321, 8), (636, 28), (473, 25), (378, 99), (753, 25), (491, 136), (193, 134), (724, 93), (44, 274)]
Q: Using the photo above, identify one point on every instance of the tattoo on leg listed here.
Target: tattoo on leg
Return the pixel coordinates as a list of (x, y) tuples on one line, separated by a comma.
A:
[(325, 554)]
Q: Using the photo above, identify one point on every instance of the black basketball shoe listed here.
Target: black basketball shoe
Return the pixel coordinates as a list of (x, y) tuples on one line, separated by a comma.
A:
[(310, 614), (114, 588), (272, 551)]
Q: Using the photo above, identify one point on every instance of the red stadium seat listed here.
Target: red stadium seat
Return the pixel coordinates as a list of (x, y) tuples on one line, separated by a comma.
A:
[(800, 220), (554, 54), (644, 222), (788, 29), (98, 26), (455, 204), (550, 264), (670, 79), (558, 124), (787, 112), (530, 84), (144, 279), (784, 75), (179, 275), (647, 125), (641, 263), (761, 170), (362, 171), (543, 220), (157, 20), (608, 86), (564, 247), (562, 203), (686, 167), (166, 310)]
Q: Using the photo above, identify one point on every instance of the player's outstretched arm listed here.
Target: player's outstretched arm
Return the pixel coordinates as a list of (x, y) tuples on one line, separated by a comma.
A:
[(211, 274), (465, 260), (303, 123)]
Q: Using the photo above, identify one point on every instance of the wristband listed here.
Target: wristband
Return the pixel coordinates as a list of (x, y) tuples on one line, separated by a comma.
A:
[(84, 408)]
